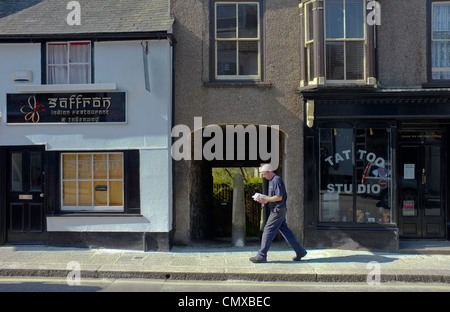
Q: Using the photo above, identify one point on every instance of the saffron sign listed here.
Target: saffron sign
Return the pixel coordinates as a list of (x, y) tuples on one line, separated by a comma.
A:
[(41, 108)]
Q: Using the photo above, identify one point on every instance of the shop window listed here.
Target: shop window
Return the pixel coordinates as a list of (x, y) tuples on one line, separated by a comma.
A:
[(440, 41), (237, 40), (355, 176), (92, 182), (69, 62)]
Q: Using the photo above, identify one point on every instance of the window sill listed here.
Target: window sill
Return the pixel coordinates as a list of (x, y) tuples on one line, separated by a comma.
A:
[(353, 226), (93, 214), (339, 87), (94, 87), (436, 85), (237, 84)]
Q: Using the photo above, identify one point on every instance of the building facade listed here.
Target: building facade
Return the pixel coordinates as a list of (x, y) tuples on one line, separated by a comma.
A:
[(375, 87), (86, 115), (363, 146), (109, 131), (237, 66)]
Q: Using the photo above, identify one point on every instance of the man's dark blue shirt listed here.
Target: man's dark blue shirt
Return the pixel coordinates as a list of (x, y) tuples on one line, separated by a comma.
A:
[(277, 188)]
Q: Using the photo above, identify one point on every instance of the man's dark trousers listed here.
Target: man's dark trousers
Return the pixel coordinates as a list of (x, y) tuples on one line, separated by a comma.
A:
[(277, 222)]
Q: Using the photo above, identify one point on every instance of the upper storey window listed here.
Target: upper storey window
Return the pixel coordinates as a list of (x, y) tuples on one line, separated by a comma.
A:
[(345, 36), (338, 42), (69, 62), (237, 40), (440, 41)]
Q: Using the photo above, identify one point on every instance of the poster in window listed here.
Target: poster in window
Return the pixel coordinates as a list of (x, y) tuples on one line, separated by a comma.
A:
[(408, 208), (408, 171)]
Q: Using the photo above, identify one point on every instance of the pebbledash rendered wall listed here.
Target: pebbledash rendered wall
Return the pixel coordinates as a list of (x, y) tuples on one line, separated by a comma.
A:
[(402, 44), (118, 65), (272, 101)]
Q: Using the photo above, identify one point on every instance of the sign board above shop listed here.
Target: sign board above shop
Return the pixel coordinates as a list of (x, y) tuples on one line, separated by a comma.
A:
[(67, 108)]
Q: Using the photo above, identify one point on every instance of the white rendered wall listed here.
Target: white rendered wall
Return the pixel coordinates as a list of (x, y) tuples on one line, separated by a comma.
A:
[(147, 129)]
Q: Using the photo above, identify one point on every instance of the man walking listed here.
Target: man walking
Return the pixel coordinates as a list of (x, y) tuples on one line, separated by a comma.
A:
[(276, 201)]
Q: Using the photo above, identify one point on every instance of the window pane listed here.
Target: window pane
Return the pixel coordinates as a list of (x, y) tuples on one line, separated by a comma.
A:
[(70, 193), (116, 166), (80, 52), (335, 61), (79, 74), (36, 170), (57, 53), (354, 19), (441, 17), (100, 166), (69, 166), (226, 21), (432, 196), (309, 22), (310, 57), (440, 58), (248, 20), (57, 75), (101, 193), (16, 172), (409, 177), (355, 60), (85, 193), (226, 58), (248, 58), (336, 178), (374, 176), (84, 166), (115, 193), (334, 17)]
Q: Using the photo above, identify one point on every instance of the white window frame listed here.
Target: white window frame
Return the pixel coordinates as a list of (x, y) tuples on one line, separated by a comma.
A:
[(437, 69), (309, 44), (237, 40), (68, 65), (345, 40), (91, 208)]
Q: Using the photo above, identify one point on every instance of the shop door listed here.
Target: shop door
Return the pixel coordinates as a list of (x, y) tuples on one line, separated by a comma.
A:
[(25, 195), (423, 184)]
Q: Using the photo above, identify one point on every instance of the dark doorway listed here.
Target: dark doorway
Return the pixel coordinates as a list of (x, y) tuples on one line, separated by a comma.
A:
[(422, 176), (25, 185)]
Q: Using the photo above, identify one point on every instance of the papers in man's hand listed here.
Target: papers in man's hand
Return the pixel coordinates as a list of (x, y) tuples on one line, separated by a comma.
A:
[(256, 196)]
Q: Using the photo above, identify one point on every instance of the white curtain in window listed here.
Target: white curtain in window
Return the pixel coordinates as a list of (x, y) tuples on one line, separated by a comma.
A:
[(68, 63), (441, 41), (57, 63)]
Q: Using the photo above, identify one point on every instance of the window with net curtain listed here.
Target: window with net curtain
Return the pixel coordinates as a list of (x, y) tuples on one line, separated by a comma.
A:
[(440, 41), (69, 62)]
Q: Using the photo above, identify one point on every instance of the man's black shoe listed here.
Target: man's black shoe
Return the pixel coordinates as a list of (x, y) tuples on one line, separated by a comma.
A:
[(257, 259), (299, 257)]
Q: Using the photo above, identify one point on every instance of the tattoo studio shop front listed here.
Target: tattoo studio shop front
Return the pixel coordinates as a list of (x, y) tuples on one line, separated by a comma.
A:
[(375, 168)]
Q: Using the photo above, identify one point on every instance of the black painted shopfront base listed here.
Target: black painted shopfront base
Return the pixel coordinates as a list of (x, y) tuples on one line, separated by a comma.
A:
[(374, 239), (112, 240)]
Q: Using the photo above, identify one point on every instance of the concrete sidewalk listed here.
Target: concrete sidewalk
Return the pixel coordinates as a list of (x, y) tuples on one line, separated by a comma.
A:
[(416, 262)]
